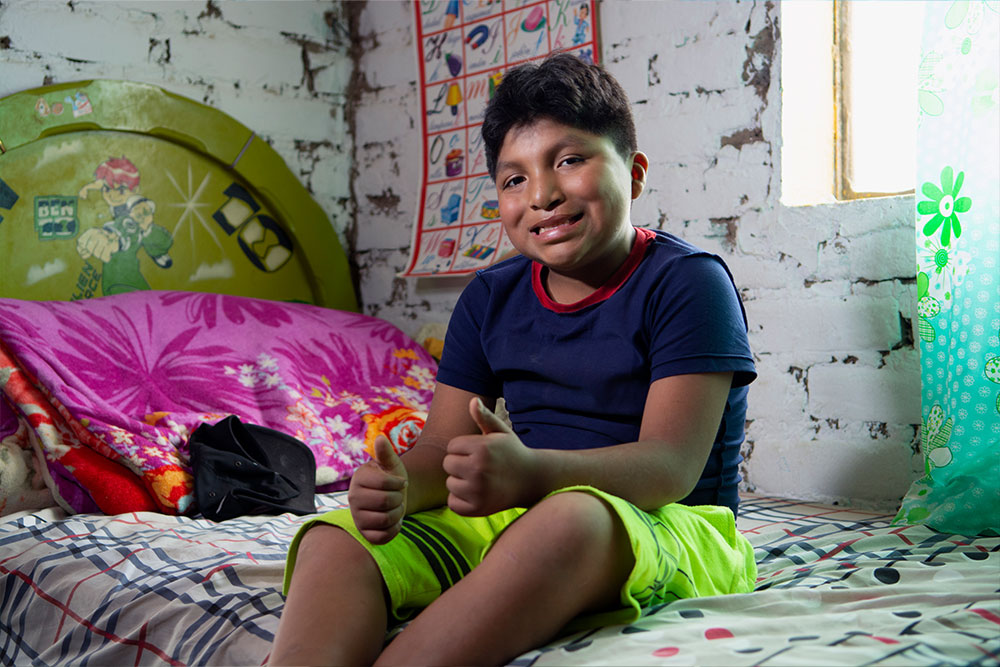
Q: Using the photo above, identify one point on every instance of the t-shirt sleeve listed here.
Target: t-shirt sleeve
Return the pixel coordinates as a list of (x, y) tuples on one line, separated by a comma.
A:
[(697, 323), (463, 361)]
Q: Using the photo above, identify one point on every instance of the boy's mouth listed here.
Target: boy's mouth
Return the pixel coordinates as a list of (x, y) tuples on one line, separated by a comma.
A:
[(554, 222)]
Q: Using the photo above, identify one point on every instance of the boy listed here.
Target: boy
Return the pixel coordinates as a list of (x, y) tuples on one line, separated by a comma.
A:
[(623, 359)]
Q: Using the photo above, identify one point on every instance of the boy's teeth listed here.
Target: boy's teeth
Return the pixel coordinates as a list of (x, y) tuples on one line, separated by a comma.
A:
[(562, 221)]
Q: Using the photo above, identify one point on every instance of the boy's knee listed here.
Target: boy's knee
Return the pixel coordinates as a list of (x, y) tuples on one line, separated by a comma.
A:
[(331, 544), (333, 553), (578, 535), (578, 520)]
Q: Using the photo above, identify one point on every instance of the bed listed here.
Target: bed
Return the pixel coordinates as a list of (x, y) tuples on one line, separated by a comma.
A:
[(836, 587), (105, 556)]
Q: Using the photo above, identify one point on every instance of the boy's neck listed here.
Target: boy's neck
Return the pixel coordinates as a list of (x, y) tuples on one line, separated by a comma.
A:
[(567, 288)]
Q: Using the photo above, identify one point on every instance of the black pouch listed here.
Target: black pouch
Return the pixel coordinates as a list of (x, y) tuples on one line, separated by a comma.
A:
[(244, 469)]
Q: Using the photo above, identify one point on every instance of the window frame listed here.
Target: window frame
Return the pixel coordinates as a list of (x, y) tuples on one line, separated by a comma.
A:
[(842, 189)]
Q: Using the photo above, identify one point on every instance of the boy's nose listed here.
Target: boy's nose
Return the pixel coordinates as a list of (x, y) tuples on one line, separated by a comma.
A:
[(545, 194)]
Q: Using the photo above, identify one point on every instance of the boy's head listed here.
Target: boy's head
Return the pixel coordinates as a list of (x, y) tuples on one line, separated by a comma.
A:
[(565, 89)]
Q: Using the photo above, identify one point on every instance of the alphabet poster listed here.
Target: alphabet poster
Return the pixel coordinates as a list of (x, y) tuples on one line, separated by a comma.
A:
[(463, 49)]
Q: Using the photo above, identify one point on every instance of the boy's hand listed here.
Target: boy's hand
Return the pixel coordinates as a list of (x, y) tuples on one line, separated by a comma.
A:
[(490, 472), (377, 495)]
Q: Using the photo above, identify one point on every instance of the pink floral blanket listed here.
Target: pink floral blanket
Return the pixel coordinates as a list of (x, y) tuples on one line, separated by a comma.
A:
[(106, 392)]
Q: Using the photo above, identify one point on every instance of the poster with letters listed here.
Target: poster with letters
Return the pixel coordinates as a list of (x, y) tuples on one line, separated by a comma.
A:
[(463, 49)]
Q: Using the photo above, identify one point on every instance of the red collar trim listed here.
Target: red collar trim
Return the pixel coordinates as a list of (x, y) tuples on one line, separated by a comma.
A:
[(643, 238)]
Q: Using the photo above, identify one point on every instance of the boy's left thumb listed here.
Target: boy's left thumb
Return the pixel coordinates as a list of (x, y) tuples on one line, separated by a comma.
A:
[(384, 454), (487, 420)]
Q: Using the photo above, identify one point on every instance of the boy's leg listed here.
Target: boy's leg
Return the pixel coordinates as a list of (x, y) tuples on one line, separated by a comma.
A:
[(568, 555), (335, 613)]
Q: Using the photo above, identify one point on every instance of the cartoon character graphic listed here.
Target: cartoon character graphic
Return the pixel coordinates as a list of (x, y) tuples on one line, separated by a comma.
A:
[(80, 104), (117, 179), (117, 244), (580, 16)]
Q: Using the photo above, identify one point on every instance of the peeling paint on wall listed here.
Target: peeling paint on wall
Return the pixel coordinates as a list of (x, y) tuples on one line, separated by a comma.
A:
[(211, 11), (760, 55), (652, 76), (159, 51), (729, 227), (740, 138), (308, 72), (355, 88), (386, 202), (801, 375)]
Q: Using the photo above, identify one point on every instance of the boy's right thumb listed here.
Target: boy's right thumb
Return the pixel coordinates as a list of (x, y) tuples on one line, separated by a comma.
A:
[(385, 454)]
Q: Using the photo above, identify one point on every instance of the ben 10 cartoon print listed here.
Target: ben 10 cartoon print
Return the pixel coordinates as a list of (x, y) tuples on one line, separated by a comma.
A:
[(131, 227), (181, 224), (102, 191)]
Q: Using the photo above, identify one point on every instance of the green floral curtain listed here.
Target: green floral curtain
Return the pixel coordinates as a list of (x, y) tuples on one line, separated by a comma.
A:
[(958, 269)]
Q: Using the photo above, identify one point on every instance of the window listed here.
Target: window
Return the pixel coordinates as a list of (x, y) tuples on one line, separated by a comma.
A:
[(849, 86)]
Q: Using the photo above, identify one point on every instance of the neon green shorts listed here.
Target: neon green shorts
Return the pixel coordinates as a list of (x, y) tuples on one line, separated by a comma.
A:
[(680, 552)]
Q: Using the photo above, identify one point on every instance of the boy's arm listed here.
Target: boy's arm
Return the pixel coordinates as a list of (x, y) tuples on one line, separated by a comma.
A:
[(447, 417), (679, 425), (494, 470)]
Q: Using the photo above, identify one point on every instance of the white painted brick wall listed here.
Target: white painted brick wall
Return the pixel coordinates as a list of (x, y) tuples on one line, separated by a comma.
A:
[(805, 323), (876, 395), (850, 468)]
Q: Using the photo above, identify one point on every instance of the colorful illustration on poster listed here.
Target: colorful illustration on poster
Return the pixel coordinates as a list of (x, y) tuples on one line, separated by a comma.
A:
[(464, 47)]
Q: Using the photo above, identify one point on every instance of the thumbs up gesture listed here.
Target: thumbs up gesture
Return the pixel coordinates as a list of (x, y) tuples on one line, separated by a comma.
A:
[(377, 495), (490, 471)]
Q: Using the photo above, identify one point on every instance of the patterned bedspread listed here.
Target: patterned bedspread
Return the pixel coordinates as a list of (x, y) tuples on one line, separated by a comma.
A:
[(836, 587), (107, 391)]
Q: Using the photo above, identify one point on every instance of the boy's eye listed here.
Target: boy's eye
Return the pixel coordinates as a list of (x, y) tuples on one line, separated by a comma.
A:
[(512, 181), (573, 159)]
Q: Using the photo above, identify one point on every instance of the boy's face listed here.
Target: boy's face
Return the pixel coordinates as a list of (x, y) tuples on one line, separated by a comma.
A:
[(564, 198)]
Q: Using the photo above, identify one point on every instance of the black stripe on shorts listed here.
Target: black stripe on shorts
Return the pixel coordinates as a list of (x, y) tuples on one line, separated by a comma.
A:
[(447, 562)]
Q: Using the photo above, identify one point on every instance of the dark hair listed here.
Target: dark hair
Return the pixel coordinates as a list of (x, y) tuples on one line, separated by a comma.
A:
[(563, 88)]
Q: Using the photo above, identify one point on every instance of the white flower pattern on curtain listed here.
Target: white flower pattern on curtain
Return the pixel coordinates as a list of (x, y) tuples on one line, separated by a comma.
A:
[(958, 269)]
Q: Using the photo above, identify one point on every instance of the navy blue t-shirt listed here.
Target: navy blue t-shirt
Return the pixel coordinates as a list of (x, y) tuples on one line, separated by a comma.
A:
[(576, 376)]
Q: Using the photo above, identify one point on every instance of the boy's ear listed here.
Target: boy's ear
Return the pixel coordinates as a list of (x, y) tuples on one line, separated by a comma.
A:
[(640, 164)]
